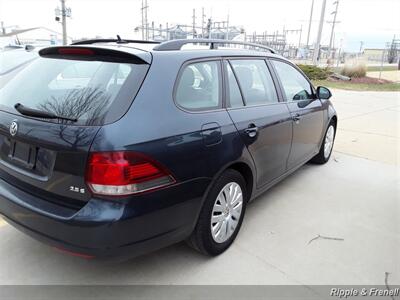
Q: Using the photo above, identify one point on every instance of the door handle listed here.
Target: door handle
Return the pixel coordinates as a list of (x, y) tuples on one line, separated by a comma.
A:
[(296, 117), (252, 130)]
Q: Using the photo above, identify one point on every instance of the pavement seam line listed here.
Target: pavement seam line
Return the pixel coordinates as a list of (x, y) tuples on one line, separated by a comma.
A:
[(367, 158), (368, 113), (366, 132)]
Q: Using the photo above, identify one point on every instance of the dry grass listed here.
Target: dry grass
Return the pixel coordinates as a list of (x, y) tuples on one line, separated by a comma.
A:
[(354, 69)]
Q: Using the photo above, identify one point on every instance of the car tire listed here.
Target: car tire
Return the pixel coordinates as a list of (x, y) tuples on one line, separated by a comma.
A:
[(329, 139), (214, 238)]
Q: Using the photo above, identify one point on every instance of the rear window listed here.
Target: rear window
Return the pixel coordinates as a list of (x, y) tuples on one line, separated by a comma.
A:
[(198, 87), (93, 92)]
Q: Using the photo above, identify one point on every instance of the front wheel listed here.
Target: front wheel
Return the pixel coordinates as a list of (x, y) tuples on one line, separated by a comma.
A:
[(222, 214), (327, 145)]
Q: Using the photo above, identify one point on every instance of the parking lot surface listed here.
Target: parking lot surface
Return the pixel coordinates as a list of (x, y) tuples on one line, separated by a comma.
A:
[(332, 224)]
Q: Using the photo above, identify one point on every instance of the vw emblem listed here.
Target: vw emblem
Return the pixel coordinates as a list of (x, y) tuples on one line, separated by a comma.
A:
[(13, 128)]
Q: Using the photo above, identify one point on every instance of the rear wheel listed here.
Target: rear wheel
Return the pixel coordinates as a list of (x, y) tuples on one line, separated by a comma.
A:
[(327, 145), (222, 214)]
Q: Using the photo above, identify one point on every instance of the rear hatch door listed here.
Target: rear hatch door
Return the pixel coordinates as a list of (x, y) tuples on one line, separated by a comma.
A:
[(75, 90)]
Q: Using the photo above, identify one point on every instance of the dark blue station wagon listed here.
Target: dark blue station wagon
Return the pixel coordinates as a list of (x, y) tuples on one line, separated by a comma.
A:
[(116, 147)]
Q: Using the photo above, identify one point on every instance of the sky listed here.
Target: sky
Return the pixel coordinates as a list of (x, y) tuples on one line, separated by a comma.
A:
[(374, 22)]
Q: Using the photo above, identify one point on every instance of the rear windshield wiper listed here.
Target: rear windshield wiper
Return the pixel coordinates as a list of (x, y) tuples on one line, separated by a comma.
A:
[(39, 113)]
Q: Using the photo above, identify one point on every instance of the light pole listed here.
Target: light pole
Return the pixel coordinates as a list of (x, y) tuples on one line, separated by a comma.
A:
[(321, 25)]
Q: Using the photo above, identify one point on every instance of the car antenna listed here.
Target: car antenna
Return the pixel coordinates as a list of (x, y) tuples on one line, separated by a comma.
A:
[(120, 41)]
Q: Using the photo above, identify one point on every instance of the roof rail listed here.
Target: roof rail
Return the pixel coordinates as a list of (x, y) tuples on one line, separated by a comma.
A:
[(118, 41), (177, 44)]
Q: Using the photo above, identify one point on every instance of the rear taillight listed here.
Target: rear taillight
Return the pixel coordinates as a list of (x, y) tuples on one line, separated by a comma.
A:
[(125, 173)]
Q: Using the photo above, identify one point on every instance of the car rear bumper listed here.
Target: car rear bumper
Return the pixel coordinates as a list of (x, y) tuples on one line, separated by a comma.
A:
[(107, 229)]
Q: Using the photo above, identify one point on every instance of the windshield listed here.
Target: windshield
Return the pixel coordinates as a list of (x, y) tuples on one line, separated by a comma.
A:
[(93, 92)]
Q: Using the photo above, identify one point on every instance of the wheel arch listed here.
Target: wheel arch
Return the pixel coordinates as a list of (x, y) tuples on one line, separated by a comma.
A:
[(245, 170), (333, 120)]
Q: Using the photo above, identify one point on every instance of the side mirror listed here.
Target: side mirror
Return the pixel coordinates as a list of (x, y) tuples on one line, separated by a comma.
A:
[(323, 93)]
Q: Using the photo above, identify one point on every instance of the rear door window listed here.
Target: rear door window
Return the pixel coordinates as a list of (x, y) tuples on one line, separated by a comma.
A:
[(198, 86), (255, 81), (295, 85), (93, 92)]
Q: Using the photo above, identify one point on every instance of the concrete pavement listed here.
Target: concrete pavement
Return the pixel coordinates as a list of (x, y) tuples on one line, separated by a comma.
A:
[(369, 125), (352, 203)]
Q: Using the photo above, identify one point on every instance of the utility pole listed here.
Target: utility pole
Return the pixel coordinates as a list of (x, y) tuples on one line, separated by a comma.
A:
[(333, 27), (321, 25), (145, 23), (64, 13), (309, 24), (227, 28), (209, 27), (142, 9), (194, 23), (3, 30), (64, 22), (301, 31), (340, 52), (361, 45)]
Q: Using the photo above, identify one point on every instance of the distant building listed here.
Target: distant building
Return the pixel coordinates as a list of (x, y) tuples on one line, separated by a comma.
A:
[(374, 54), (37, 35)]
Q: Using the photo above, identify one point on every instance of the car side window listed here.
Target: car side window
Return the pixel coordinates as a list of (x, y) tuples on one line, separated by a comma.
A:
[(255, 81), (198, 86), (295, 85), (235, 97)]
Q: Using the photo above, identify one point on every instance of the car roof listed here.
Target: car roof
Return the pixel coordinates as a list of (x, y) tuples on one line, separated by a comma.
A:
[(191, 52), (146, 51)]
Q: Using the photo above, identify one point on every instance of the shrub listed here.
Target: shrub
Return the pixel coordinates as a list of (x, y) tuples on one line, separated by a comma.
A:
[(355, 69), (314, 72)]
